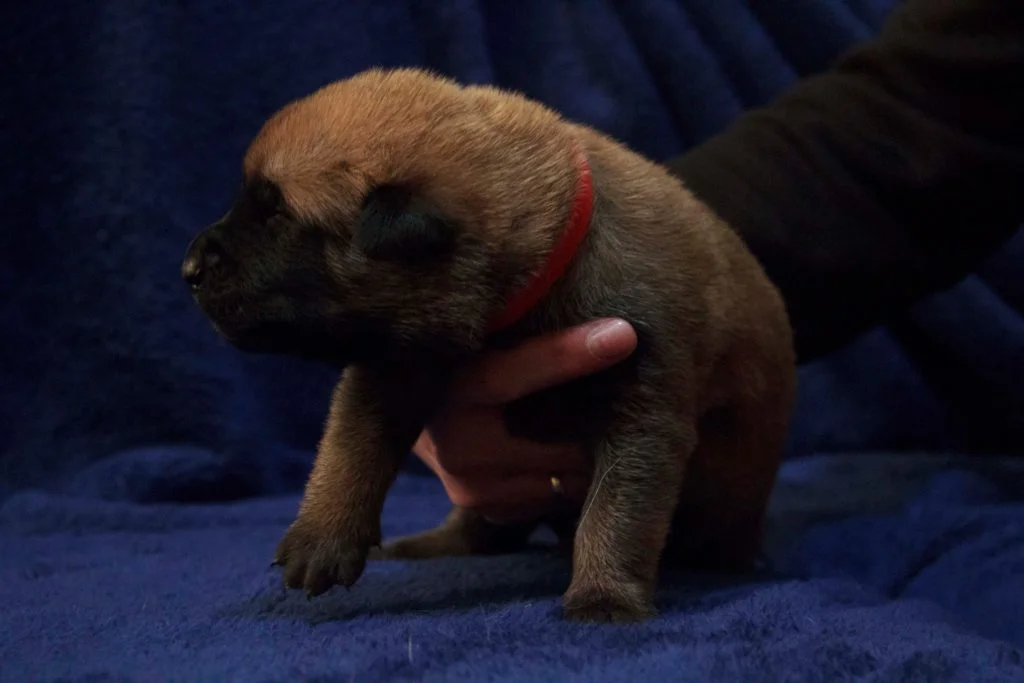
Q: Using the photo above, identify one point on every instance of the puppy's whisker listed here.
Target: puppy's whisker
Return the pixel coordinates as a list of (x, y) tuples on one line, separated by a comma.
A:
[(597, 488)]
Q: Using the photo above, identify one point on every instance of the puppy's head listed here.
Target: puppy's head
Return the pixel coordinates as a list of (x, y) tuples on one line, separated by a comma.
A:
[(394, 209)]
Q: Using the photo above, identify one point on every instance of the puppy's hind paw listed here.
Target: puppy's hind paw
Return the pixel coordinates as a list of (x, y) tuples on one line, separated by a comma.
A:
[(440, 542)]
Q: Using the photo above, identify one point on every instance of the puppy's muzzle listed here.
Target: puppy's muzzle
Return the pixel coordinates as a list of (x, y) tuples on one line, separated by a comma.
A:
[(201, 260)]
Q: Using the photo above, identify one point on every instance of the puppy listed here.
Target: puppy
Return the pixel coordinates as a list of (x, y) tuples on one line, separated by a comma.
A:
[(396, 223)]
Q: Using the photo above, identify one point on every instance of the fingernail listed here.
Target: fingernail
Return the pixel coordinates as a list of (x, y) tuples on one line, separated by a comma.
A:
[(611, 339)]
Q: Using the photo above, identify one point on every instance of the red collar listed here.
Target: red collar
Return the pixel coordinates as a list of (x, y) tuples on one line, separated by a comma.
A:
[(561, 255)]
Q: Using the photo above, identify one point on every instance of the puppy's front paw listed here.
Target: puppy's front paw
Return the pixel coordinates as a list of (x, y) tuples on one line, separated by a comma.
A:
[(315, 560), (598, 605)]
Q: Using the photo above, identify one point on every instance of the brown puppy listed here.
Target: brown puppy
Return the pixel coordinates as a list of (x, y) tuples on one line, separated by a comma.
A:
[(396, 223)]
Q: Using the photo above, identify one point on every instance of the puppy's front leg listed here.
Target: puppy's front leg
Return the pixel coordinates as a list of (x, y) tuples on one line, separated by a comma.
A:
[(625, 521), (374, 419)]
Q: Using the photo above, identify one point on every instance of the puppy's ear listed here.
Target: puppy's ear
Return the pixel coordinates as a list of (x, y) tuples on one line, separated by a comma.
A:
[(396, 226)]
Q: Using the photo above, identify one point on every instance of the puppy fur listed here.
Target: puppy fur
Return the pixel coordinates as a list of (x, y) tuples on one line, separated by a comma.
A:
[(385, 219)]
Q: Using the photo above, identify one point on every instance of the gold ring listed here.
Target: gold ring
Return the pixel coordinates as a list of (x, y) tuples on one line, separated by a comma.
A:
[(556, 486)]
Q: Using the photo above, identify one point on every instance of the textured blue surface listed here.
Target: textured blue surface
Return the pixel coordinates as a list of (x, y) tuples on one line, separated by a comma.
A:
[(141, 456)]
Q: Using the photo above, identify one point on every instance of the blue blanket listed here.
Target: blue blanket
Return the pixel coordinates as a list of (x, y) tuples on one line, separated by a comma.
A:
[(147, 469)]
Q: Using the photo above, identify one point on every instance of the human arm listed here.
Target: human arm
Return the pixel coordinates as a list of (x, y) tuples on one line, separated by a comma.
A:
[(885, 178)]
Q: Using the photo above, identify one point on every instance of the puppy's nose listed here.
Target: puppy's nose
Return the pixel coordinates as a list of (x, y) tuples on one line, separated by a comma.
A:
[(202, 256), (192, 270)]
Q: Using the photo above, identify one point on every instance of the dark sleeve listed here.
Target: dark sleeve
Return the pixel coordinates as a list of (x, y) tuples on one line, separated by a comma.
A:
[(884, 179)]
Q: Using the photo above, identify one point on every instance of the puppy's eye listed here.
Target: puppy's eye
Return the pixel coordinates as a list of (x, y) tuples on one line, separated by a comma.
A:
[(276, 221)]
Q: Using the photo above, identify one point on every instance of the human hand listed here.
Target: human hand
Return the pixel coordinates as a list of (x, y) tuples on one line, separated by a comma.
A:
[(481, 465)]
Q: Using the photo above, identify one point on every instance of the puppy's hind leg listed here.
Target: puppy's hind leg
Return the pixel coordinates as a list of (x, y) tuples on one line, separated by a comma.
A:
[(638, 470), (719, 523), (463, 532)]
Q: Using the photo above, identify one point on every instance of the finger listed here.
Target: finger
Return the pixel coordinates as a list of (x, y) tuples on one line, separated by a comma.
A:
[(475, 441), (426, 450), (545, 361)]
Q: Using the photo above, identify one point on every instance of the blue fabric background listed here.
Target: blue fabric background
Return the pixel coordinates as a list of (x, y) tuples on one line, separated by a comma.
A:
[(147, 470)]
